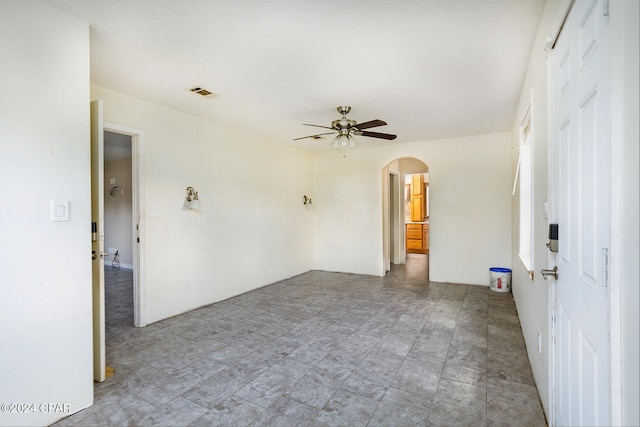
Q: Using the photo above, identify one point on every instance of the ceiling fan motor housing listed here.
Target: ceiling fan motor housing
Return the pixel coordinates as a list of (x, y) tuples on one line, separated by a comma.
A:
[(343, 124)]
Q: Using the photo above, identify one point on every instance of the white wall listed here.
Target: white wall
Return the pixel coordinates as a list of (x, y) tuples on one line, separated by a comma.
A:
[(45, 267), (252, 228), (532, 296), (469, 214)]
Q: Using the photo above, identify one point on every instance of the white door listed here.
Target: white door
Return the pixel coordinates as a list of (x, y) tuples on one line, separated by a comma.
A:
[(581, 138), (97, 244)]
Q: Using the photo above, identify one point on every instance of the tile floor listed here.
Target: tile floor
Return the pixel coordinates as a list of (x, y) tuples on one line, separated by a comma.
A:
[(321, 349)]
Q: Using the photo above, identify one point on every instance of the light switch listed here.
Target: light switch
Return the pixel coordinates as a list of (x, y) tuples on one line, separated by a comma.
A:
[(59, 210)]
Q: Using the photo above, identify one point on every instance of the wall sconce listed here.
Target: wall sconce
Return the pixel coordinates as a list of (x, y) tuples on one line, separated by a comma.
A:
[(306, 200), (191, 199)]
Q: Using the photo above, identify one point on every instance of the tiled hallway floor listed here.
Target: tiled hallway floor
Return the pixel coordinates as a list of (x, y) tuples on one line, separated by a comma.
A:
[(321, 349)]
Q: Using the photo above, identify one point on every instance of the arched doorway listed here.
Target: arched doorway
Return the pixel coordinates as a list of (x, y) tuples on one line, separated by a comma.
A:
[(405, 211)]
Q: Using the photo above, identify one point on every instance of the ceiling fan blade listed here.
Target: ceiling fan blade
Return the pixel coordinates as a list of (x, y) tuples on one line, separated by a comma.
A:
[(370, 124), (318, 126), (378, 135), (314, 136)]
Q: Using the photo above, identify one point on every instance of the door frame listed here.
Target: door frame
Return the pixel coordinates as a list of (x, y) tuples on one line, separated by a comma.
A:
[(389, 223), (138, 219), (396, 220), (622, 89), (96, 145), (395, 251)]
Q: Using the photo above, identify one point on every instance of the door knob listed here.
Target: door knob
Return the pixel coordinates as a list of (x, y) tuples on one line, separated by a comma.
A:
[(94, 254), (553, 273)]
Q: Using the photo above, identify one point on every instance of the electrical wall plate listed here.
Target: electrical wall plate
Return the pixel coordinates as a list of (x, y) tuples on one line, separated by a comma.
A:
[(60, 210)]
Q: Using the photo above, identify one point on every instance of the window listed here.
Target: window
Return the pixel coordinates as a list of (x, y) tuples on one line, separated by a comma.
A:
[(524, 177)]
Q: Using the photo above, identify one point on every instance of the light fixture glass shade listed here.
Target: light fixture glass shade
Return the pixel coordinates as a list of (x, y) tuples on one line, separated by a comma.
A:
[(194, 204), (343, 141)]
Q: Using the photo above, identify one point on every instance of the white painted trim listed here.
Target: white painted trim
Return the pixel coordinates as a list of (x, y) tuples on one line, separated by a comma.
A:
[(139, 283), (552, 218), (397, 248), (386, 222), (617, 43)]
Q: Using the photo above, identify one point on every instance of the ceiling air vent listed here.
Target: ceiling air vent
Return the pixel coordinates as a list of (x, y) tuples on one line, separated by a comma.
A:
[(201, 91)]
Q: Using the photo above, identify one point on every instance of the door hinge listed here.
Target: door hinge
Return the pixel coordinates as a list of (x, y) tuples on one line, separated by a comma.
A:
[(605, 8), (605, 267)]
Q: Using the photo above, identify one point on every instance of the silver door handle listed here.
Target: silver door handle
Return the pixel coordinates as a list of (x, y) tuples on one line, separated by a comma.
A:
[(553, 273), (95, 256)]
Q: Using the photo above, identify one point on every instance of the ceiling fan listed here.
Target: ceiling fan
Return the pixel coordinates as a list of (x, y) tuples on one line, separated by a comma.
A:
[(347, 129)]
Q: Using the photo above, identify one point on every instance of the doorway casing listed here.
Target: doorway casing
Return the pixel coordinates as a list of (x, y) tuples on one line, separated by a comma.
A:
[(138, 220), (393, 224)]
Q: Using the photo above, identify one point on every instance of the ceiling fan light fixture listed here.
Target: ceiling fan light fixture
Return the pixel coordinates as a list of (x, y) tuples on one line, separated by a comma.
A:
[(347, 128), (344, 140)]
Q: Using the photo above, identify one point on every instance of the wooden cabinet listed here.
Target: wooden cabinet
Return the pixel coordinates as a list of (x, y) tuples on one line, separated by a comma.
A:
[(417, 238), (417, 198), (417, 232), (417, 184), (425, 240), (417, 213)]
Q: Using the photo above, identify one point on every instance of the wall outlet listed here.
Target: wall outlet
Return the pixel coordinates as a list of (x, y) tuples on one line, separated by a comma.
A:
[(189, 283)]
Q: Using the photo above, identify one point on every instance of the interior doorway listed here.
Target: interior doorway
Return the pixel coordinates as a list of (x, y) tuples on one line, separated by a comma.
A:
[(406, 220), (124, 219), (119, 264)]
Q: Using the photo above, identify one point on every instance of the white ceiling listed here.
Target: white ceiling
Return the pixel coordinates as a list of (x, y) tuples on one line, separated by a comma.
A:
[(430, 68)]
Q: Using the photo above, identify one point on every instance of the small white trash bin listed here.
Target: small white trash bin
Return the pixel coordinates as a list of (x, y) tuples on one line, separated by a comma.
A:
[(500, 279)]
